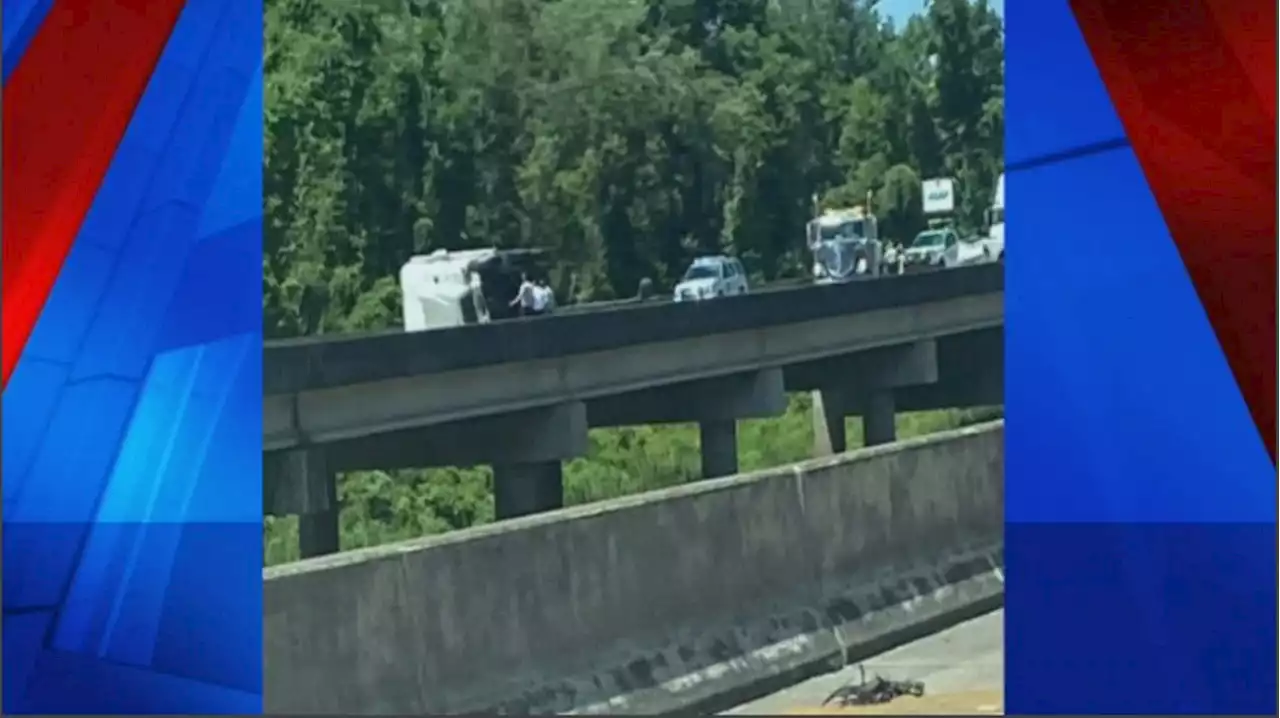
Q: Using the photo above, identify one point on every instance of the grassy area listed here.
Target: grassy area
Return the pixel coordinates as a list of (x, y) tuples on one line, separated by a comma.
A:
[(381, 507)]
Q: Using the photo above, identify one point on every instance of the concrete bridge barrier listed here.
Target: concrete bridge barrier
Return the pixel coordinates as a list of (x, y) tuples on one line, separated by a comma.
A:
[(685, 599)]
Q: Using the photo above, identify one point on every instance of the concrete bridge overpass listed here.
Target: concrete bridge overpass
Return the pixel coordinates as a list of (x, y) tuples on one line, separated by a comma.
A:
[(522, 395)]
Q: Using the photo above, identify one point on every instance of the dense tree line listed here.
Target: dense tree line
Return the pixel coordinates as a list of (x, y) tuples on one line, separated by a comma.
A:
[(624, 135)]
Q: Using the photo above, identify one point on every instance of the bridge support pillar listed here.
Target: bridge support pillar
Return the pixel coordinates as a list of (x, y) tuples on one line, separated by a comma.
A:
[(719, 448), (528, 488), (878, 414), (829, 436), (862, 384), (320, 534), (302, 482)]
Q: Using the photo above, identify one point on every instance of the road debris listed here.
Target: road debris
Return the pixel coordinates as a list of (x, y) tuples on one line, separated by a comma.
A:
[(874, 692)]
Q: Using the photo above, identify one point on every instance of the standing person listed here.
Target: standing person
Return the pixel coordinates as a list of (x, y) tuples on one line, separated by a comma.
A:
[(546, 297), (539, 300), (526, 297)]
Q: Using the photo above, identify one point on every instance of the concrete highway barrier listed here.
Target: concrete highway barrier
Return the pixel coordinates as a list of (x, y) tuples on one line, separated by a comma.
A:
[(688, 599), (325, 362)]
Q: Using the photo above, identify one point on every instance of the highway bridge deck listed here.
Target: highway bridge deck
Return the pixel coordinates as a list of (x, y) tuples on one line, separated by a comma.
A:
[(319, 362), (962, 668)]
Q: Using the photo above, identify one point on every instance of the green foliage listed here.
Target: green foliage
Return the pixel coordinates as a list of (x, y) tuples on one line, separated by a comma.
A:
[(626, 136)]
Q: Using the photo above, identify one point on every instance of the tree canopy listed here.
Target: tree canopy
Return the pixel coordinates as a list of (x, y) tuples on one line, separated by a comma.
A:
[(626, 136)]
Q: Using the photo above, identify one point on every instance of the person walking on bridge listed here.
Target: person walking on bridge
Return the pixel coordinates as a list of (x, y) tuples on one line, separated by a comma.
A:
[(525, 296)]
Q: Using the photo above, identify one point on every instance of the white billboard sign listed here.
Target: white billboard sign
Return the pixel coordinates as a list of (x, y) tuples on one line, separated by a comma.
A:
[(939, 195)]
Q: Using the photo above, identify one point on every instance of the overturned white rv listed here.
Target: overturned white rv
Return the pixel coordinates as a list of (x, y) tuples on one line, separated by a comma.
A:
[(471, 286)]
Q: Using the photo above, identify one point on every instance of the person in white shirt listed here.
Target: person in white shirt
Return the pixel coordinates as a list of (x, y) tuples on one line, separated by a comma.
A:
[(526, 298), (545, 299)]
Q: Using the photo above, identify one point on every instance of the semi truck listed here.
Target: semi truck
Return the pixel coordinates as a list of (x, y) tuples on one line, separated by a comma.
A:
[(844, 244)]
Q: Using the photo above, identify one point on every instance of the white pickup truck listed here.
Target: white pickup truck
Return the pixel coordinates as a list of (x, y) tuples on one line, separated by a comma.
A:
[(943, 248)]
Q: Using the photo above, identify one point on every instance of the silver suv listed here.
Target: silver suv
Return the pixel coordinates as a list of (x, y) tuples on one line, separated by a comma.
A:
[(710, 277)]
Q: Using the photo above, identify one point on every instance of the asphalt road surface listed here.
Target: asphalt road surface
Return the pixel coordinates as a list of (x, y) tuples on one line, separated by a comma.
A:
[(962, 669)]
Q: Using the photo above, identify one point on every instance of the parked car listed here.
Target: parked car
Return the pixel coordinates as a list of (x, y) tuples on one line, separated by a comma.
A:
[(709, 277)]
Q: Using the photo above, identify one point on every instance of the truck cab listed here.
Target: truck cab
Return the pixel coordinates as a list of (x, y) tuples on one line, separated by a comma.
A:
[(456, 288), (844, 244)]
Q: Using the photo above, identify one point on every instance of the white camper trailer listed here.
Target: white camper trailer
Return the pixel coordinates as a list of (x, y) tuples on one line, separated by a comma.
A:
[(472, 286)]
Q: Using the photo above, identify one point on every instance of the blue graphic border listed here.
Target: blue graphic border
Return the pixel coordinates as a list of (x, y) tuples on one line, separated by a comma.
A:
[(1141, 504), (132, 436)]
